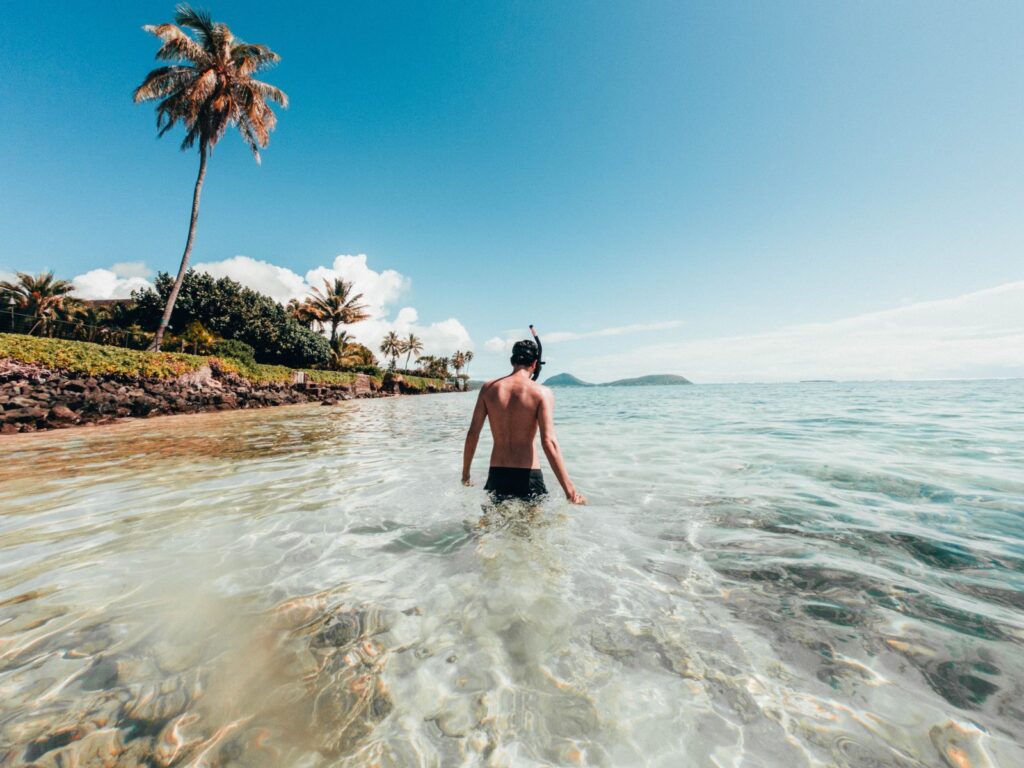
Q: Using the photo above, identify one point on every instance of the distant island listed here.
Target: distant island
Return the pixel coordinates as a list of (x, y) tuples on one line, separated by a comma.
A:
[(568, 380)]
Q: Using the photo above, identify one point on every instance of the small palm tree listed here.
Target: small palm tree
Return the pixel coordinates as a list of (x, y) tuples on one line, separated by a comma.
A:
[(412, 345), (40, 299), (458, 361), (302, 312), (336, 305), (345, 351), (467, 358), (91, 323), (392, 347), (209, 90)]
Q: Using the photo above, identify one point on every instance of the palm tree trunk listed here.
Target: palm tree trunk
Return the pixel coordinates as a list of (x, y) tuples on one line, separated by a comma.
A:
[(169, 308)]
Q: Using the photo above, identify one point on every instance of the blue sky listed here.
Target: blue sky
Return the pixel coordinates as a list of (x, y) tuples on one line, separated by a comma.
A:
[(641, 177)]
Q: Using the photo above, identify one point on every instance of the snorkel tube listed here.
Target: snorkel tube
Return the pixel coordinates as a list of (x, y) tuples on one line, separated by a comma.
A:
[(540, 351)]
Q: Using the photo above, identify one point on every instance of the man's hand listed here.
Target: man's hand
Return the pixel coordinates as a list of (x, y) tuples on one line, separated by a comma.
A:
[(575, 497)]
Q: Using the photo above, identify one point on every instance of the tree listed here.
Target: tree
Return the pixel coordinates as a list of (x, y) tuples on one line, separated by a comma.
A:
[(392, 347), (232, 311), (344, 351), (458, 361), (92, 323), (412, 345), (335, 305), (39, 299), (436, 367), (210, 89), (467, 357), (302, 312)]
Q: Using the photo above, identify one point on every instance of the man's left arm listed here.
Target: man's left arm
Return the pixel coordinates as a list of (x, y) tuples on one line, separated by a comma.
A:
[(473, 436)]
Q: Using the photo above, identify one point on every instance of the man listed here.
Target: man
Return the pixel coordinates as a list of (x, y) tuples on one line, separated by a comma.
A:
[(516, 407)]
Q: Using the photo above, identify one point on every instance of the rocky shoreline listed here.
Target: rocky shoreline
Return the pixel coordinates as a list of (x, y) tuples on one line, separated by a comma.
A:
[(35, 397)]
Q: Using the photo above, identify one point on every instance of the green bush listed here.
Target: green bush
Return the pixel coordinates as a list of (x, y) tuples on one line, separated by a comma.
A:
[(237, 350), (369, 370), (233, 311)]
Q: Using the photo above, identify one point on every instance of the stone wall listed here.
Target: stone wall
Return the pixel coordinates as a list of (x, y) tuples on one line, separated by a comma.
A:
[(34, 397)]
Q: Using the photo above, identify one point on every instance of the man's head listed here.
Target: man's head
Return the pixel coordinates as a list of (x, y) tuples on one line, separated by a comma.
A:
[(525, 354)]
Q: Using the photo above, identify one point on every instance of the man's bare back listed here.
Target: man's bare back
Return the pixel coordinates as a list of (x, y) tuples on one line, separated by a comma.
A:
[(517, 408)]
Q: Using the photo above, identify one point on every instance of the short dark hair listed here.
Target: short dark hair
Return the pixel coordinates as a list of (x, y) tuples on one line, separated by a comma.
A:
[(524, 353)]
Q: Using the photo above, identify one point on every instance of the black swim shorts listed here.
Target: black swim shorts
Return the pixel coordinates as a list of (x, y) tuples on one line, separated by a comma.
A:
[(515, 483)]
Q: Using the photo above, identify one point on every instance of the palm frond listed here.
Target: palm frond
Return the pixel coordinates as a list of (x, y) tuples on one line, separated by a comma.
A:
[(177, 44), (163, 81), (268, 91), (199, 21), (251, 58)]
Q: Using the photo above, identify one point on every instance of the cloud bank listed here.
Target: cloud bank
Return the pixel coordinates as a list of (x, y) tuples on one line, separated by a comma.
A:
[(504, 344), (118, 282), (381, 291), (976, 335)]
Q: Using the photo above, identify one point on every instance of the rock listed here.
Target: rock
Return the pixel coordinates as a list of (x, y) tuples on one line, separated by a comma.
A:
[(61, 414), (7, 429), (363, 385), (24, 415)]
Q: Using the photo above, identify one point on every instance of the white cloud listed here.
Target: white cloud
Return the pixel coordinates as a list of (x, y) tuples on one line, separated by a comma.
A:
[(280, 283), (978, 334), (559, 336), (498, 344), (8, 277), (107, 284), (381, 290), (131, 269)]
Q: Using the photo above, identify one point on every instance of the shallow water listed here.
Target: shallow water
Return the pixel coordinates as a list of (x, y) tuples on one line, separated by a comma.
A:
[(785, 575)]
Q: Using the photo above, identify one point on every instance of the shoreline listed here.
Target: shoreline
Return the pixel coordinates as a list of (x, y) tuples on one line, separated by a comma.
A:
[(40, 398)]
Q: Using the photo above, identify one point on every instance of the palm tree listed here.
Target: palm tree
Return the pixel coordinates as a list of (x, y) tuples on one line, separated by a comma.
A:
[(302, 312), (467, 358), (458, 361), (411, 345), (42, 297), (344, 351), (392, 347), (210, 89), (336, 305), (91, 323)]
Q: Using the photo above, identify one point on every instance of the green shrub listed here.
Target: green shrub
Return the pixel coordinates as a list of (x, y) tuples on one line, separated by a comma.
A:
[(89, 359), (237, 350)]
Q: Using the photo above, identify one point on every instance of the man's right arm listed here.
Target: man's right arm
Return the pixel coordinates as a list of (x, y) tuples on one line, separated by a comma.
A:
[(473, 436), (546, 420)]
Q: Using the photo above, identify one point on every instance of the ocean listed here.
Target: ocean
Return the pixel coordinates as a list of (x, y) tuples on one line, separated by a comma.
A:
[(821, 574)]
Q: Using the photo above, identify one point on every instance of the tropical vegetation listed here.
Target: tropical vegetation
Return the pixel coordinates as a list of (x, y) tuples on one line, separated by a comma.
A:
[(99, 359), (36, 302), (218, 317), (334, 305), (209, 89)]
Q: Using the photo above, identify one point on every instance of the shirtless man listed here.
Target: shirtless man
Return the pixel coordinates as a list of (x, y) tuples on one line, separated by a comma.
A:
[(516, 406)]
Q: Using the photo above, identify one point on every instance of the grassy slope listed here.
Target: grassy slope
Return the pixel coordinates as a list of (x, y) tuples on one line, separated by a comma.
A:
[(98, 359)]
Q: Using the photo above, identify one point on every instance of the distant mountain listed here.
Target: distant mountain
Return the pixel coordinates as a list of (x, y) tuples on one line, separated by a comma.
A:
[(648, 381), (566, 380)]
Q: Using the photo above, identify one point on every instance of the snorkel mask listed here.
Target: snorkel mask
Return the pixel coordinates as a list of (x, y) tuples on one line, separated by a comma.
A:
[(540, 352)]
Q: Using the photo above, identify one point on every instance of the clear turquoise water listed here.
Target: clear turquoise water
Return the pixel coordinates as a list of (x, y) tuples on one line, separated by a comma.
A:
[(783, 575)]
